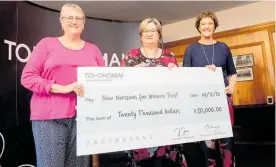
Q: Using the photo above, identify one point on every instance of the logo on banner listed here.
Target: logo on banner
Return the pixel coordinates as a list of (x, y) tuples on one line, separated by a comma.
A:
[(2, 152), (3, 146), (18, 47), (114, 60)]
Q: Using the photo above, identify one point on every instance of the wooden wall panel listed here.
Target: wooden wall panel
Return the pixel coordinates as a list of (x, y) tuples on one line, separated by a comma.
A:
[(256, 39), (272, 40), (259, 85)]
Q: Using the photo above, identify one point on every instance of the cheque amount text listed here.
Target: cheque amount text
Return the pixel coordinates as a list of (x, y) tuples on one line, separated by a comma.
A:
[(206, 110)]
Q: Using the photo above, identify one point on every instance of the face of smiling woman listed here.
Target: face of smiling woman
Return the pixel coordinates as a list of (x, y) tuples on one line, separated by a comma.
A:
[(72, 21), (150, 34), (207, 27)]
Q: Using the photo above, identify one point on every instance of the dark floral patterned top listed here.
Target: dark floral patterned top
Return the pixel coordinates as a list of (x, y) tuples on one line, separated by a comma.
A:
[(169, 156), (135, 57)]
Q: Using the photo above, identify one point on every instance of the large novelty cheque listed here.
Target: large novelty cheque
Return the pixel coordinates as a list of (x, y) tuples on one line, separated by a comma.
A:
[(131, 108)]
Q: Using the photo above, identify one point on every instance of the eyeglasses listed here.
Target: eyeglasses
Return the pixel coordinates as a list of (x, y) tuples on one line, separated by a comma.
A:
[(148, 31), (70, 19)]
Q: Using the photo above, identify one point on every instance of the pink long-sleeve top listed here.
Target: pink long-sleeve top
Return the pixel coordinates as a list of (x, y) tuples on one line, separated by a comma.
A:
[(50, 63)]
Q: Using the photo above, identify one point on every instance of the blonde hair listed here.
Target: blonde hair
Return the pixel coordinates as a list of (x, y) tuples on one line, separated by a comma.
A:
[(205, 14), (71, 6), (146, 21)]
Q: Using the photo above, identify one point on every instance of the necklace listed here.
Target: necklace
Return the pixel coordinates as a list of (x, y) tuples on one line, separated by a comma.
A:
[(206, 55), (147, 54)]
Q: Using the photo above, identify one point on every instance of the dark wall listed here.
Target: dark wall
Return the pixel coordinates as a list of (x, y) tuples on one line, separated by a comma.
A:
[(22, 25)]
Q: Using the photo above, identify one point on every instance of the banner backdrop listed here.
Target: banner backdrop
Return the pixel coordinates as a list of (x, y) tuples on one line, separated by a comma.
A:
[(22, 25)]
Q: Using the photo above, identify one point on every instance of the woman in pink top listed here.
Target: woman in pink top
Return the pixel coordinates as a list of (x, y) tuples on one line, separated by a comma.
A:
[(51, 74)]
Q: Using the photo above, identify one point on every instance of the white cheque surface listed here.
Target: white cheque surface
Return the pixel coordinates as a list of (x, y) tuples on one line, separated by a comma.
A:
[(131, 108)]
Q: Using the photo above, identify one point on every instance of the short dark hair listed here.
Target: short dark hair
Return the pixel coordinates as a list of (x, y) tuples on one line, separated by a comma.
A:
[(205, 14)]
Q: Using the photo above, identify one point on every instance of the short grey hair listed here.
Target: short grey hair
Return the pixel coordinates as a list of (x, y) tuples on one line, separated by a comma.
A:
[(71, 6)]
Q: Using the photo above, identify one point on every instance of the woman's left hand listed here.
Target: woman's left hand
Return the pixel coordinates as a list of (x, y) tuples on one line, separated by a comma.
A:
[(171, 65), (211, 67), (229, 90)]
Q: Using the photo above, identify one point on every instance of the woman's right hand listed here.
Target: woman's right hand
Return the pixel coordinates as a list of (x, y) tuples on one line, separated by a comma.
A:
[(75, 87)]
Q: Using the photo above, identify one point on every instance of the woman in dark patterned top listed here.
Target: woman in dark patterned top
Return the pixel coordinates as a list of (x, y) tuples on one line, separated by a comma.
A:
[(211, 53), (149, 55)]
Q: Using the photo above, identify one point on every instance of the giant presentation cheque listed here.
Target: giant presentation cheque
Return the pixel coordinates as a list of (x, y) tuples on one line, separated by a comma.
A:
[(131, 108)]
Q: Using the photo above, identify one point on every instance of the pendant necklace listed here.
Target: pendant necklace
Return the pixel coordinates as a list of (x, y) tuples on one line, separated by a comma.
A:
[(152, 59), (206, 55)]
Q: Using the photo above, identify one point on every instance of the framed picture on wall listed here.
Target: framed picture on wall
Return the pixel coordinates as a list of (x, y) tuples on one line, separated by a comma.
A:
[(245, 60), (245, 74)]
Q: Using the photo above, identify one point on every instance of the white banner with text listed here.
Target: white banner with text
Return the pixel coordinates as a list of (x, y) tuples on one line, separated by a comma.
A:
[(130, 108)]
